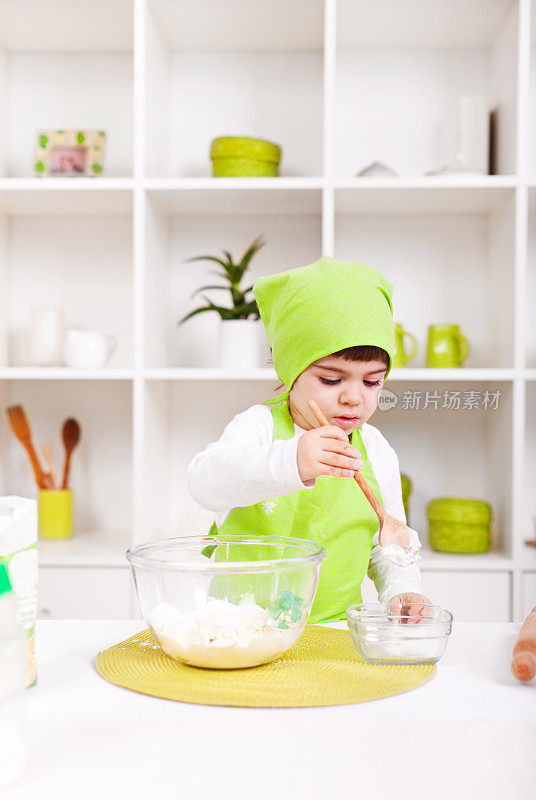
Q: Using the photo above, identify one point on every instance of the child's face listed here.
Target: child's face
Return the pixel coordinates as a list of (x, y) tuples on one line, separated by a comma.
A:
[(346, 391)]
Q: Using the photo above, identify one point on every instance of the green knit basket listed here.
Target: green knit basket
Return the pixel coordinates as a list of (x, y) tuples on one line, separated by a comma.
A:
[(406, 491), (459, 525), (238, 156)]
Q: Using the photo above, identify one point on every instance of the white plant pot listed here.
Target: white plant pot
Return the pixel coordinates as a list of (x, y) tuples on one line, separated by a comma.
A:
[(239, 343)]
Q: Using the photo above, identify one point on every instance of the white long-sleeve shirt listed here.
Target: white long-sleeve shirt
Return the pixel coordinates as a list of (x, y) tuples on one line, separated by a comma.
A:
[(246, 466)]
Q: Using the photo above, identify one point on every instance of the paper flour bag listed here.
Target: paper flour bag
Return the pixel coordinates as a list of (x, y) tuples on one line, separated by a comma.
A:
[(18, 551)]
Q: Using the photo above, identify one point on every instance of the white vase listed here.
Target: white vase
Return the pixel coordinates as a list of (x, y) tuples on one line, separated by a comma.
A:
[(473, 134), (46, 336), (239, 343)]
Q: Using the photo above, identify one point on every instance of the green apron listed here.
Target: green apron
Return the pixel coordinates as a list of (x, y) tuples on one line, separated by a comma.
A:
[(334, 514)]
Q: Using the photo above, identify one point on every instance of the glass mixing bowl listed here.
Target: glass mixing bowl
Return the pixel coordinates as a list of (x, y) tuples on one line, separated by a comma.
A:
[(226, 601), (384, 637)]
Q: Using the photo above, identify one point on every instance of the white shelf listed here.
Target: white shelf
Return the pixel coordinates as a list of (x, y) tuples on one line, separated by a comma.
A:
[(97, 548), (422, 196), (64, 373), (397, 374), (443, 182), (454, 374), (216, 374), (66, 184), (485, 562), (255, 199), (235, 184), (280, 183), (87, 548), (29, 197)]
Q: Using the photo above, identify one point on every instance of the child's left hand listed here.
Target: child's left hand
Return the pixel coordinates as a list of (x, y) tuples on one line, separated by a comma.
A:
[(414, 605)]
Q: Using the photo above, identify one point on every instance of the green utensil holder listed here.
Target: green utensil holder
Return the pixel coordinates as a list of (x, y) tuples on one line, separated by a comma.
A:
[(459, 525), (239, 156)]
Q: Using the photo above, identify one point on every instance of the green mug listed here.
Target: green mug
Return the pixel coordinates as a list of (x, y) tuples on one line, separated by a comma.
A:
[(401, 358), (446, 346)]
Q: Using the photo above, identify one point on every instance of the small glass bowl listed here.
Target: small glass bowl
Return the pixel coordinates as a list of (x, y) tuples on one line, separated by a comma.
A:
[(382, 636)]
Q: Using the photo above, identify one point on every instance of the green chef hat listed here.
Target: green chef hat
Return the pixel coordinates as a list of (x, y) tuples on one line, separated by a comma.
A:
[(311, 312)]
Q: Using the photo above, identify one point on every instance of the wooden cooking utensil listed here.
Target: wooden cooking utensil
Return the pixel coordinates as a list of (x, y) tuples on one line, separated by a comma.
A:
[(70, 433), (524, 660), (21, 428), (392, 531), (47, 453)]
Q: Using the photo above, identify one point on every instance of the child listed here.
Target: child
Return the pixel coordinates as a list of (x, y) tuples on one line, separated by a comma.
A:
[(274, 471)]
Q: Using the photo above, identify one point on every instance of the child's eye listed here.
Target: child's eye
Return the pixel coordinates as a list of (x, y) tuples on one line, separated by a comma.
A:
[(371, 383), (329, 382)]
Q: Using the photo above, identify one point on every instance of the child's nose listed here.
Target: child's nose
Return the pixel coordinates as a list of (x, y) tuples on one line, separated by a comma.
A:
[(351, 396)]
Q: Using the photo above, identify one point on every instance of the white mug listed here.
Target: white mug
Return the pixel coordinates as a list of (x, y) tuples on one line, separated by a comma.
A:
[(87, 349)]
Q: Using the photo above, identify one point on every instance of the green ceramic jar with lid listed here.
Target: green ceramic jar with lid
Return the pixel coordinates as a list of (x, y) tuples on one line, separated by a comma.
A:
[(406, 491), (240, 156), (459, 525)]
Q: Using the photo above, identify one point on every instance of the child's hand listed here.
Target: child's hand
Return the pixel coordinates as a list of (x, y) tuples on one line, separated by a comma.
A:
[(415, 606), (327, 451)]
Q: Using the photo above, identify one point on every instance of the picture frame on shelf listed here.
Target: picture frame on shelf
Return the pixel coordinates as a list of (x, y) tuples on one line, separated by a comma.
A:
[(69, 153)]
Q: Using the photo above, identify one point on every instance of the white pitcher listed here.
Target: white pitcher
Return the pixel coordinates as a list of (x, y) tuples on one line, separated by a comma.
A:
[(87, 349)]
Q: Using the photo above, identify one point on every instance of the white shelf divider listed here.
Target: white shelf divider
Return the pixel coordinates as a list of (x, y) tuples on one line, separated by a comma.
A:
[(328, 138), (519, 420), (139, 265)]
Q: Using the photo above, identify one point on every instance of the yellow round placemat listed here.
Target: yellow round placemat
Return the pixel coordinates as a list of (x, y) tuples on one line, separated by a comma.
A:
[(322, 669)]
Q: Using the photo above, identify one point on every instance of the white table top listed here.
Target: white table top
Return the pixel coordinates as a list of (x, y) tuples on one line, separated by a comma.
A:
[(468, 732)]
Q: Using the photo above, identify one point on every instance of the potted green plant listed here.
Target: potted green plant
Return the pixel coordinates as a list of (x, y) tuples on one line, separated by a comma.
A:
[(239, 339)]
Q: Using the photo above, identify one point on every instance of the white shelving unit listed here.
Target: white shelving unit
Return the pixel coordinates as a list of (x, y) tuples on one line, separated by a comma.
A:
[(339, 83)]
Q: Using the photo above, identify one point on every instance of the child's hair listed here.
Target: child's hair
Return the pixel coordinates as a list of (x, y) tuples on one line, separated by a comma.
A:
[(364, 353)]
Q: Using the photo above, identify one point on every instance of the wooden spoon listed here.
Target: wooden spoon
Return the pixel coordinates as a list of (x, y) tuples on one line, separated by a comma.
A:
[(49, 458), (70, 433), (392, 531), (21, 428)]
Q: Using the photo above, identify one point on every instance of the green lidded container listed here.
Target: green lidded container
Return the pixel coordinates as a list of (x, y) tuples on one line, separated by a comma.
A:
[(459, 525), (239, 156), (406, 491)]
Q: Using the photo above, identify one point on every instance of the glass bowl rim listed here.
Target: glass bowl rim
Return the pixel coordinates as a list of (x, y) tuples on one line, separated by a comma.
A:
[(352, 612), (136, 556)]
